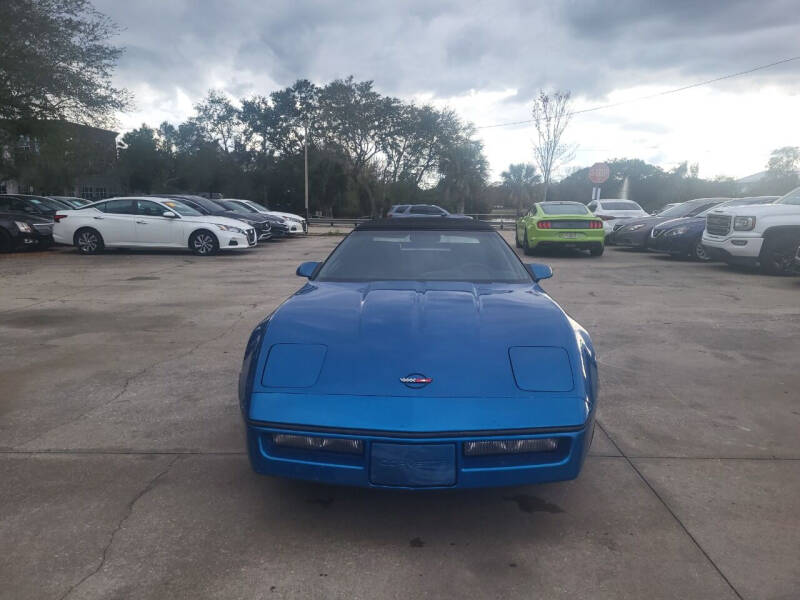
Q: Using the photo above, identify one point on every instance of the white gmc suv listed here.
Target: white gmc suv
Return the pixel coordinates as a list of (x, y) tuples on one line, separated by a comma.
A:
[(765, 235)]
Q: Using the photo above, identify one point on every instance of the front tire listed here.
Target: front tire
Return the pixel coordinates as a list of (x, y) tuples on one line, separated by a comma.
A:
[(699, 253), (777, 255), (204, 243), (89, 241)]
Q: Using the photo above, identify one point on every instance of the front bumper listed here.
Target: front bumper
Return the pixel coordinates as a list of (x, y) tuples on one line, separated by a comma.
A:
[(679, 244), (632, 239), (392, 461), (738, 247), (229, 240)]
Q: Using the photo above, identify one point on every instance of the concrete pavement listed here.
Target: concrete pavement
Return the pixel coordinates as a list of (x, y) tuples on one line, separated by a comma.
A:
[(123, 472)]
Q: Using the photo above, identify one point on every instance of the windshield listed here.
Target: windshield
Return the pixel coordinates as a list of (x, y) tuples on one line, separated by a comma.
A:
[(563, 208), (475, 256), (620, 205), (792, 197), (182, 209)]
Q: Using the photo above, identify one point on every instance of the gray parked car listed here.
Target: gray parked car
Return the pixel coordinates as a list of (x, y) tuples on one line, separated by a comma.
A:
[(421, 210)]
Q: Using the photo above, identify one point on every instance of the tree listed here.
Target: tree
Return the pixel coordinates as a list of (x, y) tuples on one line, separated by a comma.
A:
[(143, 164), (519, 181), (56, 62), (352, 119), (463, 169), (551, 116), (784, 161)]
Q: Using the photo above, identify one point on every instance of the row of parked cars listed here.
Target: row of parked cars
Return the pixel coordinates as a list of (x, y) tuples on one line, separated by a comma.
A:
[(758, 231), (199, 224)]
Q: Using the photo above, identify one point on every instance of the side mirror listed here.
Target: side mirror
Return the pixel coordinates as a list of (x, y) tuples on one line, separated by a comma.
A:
[(540, 271), (169, 214), (307, 269)]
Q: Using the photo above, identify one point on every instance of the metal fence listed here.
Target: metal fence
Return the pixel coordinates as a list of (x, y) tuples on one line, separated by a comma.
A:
[(497, 221)]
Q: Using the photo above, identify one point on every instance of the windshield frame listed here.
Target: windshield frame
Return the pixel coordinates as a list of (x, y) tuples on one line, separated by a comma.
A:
[(525, 278), (793, 195)]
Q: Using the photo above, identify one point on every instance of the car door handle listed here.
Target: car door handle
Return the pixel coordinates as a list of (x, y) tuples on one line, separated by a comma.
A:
[(141, 222), (99, 218)]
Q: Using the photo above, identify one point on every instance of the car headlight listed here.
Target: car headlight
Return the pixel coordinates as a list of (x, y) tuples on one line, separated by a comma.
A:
[(230, 228), (744, 223), (22, 226), (677, 231), (635, 227)]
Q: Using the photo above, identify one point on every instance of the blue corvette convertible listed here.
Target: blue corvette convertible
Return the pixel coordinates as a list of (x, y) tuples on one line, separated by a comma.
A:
[(421, 354)]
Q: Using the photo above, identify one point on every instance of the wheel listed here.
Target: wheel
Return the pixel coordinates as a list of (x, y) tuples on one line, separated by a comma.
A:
[(5, 241), (89, 241), (525, 247), (777, 255), (204, 243), (699, 252), (597, 250)]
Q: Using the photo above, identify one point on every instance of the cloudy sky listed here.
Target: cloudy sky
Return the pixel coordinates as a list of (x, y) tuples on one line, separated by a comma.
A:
[(488, 59)]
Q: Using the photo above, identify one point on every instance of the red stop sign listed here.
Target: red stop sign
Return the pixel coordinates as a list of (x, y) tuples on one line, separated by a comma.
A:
[(598, 173)]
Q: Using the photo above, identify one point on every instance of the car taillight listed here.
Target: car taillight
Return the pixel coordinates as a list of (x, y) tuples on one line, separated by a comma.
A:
[(544, 225), (607, 217), (57, 218), (595, 224)]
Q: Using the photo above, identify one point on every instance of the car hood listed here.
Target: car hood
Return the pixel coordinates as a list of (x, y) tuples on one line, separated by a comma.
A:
[(758, 210), (284, 215), (366, 336), (27, 217), (216, 220), (691, 222), (651, 220)]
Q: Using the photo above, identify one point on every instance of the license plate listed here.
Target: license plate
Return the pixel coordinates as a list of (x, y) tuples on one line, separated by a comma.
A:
[(569, 235), (413, 465)]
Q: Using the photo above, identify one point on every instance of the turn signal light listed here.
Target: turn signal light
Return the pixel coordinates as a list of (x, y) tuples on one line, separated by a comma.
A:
[(484, 447), (595, 224), (307, 442), (544, 225), (58, 218)]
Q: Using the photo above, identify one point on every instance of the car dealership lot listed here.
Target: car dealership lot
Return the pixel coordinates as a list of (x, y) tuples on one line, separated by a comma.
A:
[(124, 473)]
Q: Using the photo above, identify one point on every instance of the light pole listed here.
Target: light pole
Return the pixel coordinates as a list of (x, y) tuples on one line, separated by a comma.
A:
[(305, 159)]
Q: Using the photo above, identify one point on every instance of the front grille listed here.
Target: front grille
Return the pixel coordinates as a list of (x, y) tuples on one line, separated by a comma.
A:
[(565, 224), (251, 236), (718, 224), (618, 225), (657, 232), (44, 228)]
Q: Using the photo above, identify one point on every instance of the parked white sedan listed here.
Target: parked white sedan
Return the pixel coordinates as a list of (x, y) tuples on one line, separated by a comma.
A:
[(615, 211), (296, 223), (148, 223)]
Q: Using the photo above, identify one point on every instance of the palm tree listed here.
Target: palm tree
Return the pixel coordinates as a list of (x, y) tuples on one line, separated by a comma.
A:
[(519, 180), (463, 169)]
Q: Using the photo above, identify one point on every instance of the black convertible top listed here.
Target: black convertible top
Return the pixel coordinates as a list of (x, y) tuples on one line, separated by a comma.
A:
[(432, 224)]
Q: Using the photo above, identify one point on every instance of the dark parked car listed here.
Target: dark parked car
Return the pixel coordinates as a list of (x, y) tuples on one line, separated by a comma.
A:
[(205, 206), (24, 231), (684, 236), (280, 228), (635, 233), (421, 210), (31, 205)]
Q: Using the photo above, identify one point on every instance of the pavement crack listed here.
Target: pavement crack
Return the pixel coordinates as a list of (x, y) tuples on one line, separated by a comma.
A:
[(670, 511), (124, 389), (128, 512)]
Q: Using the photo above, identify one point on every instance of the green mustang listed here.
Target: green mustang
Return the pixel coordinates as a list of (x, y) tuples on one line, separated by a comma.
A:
[(560, 225)]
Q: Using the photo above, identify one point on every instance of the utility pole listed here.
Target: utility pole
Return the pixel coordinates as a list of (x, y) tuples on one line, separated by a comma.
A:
[(305, 157)]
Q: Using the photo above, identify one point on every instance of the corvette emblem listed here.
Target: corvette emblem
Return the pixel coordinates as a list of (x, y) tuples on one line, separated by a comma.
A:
[(416, 380)]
